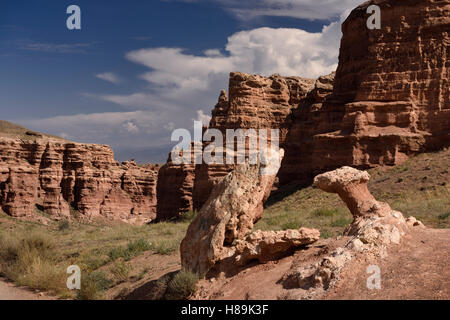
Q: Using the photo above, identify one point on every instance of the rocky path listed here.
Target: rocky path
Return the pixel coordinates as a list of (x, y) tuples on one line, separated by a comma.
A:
[(9, 291), (418, 269)]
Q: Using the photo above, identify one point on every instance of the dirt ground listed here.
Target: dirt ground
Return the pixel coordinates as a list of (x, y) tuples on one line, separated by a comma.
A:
[(8, 291), (416, 269)]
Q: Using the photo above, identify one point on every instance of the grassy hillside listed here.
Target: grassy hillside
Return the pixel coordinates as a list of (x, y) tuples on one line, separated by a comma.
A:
[(420, 187), (11, 130), (110, 256)]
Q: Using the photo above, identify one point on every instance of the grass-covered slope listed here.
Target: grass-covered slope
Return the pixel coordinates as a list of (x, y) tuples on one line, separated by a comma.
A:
[(420, 187), (11, 130), (116, 257)]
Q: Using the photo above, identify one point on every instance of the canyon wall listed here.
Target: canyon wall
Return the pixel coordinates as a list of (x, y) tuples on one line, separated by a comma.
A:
[(388, 101), (391, 93), (53, 177), (174, 190), (254, 102)]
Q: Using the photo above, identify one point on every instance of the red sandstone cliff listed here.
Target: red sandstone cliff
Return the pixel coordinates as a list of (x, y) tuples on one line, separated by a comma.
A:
[(54, 175), (390, 99), (254, 102), (391, 93)]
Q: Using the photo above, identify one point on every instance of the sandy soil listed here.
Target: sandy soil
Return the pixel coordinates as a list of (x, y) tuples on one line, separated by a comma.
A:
[(9, 291)]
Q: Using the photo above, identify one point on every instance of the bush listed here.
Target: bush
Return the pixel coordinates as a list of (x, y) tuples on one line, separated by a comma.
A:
[(118, 252), (138, 246), (63, 225), (444, 216), (89, 289), (182, 286), (93, 286), (101, 280)]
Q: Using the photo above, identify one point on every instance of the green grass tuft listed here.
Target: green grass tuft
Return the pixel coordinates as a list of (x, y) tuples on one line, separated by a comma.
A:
[(182, 286)]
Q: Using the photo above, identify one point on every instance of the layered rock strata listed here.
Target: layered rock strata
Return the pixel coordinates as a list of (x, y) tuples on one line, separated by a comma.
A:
[(254, 102), (391, 93), (54, 176), (388, 101)]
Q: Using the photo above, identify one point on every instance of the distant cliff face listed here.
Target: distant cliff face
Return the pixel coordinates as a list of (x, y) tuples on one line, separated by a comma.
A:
[(388, 101), (391, 93), (54, 176), (254, 102)]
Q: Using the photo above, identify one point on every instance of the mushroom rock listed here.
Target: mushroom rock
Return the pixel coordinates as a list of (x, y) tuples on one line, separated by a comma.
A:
[(351, 185), (374, 229)]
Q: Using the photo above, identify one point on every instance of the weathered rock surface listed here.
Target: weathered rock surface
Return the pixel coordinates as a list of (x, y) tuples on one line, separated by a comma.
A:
[(174, 190), (388, 101), (54, 175), (375, 228), (351, 185), (254, 102), (235, 204), (391, 93), (265, 246)]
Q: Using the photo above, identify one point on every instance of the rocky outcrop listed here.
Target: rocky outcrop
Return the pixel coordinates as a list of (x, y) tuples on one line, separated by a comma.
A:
[(265, 246), (299, 143), (174, 190), (54, 176), (376, 227), (391, 94), (254, 102), (388, 101), (235, 204), (351, 185)]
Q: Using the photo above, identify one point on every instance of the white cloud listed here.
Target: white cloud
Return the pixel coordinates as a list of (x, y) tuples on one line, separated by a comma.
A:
[(303, 9), (73, 48), (109, 127), (173, 67), (262, 51), (203, 118), (130, 127), (182, 87), (109, 76)]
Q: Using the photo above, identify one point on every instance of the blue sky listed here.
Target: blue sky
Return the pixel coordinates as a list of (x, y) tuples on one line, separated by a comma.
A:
[(139, 69)]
